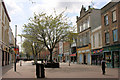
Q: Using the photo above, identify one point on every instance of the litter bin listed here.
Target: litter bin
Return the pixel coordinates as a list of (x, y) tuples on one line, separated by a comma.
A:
[(40, 71)]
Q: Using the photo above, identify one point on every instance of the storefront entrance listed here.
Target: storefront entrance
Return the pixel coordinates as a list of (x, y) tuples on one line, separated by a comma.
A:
[(3, 58), (116, 59), (84, 59), (96, 59)]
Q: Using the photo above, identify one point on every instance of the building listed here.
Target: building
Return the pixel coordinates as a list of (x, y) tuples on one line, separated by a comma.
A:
[(88, 18), (73, 51), (56, 52), (66, 51), (11, 45), (111, 33), (96, 46), (4, 33), (44, 54), (60, 56)]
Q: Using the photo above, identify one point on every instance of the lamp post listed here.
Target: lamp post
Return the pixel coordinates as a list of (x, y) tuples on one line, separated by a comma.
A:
[(69, 54), (76, 48), (15, 47)]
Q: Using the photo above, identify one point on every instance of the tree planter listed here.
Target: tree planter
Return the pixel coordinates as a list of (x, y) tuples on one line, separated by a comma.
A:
[(52, 65)]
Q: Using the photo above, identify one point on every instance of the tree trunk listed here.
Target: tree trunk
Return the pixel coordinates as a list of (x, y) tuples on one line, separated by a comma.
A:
[(51, 56)]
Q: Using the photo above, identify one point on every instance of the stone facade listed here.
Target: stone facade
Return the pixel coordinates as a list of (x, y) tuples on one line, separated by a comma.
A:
[(4, 34), (87, 21)]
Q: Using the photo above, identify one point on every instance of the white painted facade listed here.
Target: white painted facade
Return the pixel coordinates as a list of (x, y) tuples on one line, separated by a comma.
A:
[(96, 38)]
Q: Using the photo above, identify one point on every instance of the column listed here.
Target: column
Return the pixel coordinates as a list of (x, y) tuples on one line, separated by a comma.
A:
[(119, 58), (112, 61)]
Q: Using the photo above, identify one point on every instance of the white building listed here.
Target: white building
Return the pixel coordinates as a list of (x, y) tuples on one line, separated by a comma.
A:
[(96, 46)]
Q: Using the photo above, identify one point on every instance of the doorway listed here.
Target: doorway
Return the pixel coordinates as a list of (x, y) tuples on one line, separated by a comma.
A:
[(84, 59)]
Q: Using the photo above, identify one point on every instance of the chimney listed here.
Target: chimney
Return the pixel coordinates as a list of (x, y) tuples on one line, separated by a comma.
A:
[(89, 7), (77, 17)]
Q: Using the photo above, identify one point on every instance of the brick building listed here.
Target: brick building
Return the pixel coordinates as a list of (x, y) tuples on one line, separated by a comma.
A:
[(111, 33), (66, 51)]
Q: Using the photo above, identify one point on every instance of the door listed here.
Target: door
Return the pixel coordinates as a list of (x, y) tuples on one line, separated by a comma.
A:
[(2, 58), (88, 60), (84, 58), (80, 58)]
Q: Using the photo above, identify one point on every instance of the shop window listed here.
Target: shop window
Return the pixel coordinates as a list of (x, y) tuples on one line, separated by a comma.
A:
[(106, 20), (115, 35), (107, 37), (114, 16), (108, 57)]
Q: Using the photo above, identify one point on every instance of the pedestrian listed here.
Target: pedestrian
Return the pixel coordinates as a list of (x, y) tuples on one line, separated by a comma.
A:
[(103, 65)]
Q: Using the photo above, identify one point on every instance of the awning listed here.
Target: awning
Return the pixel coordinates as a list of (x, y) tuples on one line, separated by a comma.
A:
[(73, 54)]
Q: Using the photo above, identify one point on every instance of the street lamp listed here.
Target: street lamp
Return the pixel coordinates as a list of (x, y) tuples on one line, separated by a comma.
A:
[(15, 47), (69, 54)]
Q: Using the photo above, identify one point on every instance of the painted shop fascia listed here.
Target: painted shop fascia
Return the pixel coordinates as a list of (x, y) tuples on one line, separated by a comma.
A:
[(83, 53), (111, 54)]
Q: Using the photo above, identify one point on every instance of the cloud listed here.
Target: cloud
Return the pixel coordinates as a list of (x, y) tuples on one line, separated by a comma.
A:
[(12, 6)]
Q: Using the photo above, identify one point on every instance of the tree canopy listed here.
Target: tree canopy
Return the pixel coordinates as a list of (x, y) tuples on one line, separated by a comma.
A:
[(48, 29)]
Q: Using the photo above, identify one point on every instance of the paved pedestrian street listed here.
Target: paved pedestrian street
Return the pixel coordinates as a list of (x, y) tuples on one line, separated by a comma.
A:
[(27, 70)]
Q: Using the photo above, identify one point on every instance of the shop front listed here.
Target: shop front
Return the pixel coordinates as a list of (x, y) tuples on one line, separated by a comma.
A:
[(60, 58), (96, 56), (112, 56), (5, 56), (66, 56), (84, 56), (73, 57)]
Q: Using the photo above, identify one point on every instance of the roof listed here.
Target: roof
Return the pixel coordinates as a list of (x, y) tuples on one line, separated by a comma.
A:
[(6, 11), (108, 6)]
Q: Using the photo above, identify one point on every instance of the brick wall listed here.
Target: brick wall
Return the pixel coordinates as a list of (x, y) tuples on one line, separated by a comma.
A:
[(112, 25)]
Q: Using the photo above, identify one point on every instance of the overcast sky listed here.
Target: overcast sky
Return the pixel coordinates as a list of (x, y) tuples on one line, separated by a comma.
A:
[(21, 10)]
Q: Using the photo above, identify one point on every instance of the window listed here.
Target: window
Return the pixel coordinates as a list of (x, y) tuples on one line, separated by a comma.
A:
[(114, 16), (88, 23), (84, 26), (115, 35), (3, 15), (99, 39), (106, 20), (80, 28), (107, 37)]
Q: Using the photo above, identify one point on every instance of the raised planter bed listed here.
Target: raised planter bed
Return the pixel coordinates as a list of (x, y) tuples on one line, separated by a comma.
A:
[(52, 65)]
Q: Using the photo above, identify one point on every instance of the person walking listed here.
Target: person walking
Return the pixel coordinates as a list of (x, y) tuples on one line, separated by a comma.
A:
[(103, 65)]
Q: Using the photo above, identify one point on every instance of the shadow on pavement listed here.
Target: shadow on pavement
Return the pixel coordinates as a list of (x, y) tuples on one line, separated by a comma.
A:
[(6, 68)]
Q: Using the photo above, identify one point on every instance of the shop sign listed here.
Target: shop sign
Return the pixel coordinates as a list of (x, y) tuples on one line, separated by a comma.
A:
[(88, 50), (83, 51), (112, 48), (79, 51), (96, 51)]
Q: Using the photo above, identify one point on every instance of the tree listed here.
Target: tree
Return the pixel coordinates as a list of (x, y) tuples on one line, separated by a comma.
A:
[(48, 29), (32, 48)]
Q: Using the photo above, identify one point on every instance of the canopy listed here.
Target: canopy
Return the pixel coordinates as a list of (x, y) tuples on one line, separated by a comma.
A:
[(73, 54)]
